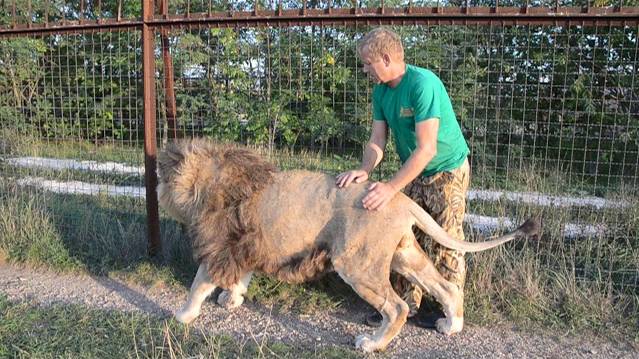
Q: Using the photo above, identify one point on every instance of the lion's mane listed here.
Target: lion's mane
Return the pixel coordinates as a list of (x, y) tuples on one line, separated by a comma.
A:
[(215, 186)]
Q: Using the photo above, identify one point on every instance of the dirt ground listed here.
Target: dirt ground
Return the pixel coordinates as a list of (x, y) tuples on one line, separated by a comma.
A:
[(334, 328)]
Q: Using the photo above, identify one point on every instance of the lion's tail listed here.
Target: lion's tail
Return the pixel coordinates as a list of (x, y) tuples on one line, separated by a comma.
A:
[(305, 268), (428, 225)]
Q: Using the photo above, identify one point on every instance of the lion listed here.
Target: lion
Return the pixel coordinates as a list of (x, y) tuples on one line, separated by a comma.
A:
[(245, 216)]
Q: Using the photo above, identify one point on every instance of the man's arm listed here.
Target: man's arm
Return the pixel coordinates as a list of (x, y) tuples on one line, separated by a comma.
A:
[(381, 193), (374, 151), (426, 133), (373, 154)]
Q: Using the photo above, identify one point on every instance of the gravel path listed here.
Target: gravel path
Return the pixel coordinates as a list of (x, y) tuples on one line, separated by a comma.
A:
[(253, 321)]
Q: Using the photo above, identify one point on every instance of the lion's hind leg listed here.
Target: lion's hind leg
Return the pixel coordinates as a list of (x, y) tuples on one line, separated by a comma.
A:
[(411, 262), (201, 288), (378, 293)]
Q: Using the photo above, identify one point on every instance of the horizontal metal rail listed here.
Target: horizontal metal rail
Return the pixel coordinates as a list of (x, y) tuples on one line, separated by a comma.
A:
[(406, 16), (68, 26), (559, 16)]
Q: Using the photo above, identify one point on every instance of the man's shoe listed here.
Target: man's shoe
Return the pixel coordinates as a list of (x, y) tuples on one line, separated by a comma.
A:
[(374, 319), (428, 320)]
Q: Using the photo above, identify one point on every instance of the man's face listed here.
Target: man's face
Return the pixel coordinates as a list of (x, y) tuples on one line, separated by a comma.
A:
[(376, 69)]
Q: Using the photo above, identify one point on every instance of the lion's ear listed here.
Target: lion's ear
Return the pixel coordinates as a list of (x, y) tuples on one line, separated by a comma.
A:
[(170, 158)]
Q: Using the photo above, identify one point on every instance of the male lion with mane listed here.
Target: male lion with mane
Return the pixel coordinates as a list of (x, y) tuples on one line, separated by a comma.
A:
[(246, 216)]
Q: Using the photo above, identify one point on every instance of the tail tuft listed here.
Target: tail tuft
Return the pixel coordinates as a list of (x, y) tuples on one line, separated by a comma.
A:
[(531, 228)]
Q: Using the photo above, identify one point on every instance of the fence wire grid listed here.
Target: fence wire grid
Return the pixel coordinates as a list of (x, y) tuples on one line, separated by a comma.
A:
[(551, 113)]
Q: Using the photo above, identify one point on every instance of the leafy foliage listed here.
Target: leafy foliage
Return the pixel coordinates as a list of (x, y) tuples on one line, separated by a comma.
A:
[(561, 97)]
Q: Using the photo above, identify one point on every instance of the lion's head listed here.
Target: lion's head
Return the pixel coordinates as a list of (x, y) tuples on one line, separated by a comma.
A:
[(208, 186), (200, 175)]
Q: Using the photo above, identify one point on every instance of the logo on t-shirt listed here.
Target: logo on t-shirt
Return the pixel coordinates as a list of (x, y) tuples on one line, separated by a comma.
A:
[(406, 112)]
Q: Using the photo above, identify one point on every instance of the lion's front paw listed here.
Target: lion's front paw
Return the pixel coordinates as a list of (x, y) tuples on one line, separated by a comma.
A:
[(229, 301), (185, 315), (365, 343), (450, 326)]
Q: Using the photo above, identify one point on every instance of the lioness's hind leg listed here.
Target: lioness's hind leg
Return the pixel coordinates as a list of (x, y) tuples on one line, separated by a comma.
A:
[(378, 293), (234, 296), (411, 262), (201, 288)]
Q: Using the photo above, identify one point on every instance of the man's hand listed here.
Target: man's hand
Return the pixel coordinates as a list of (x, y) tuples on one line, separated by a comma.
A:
[(379, 194), (345, 178)]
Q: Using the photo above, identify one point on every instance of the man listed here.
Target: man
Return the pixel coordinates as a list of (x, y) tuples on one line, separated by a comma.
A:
[(435, 173)]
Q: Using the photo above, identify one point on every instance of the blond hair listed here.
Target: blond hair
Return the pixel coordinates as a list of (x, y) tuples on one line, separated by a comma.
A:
[(381, 41)]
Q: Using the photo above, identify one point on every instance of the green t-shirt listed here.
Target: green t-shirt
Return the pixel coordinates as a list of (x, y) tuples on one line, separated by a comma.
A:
[(420, 96)]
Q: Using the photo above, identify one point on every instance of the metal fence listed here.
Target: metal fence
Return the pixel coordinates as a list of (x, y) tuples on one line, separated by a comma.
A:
[(546, 96)]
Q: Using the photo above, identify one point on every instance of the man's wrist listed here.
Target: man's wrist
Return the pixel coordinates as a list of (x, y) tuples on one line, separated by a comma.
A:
[(365, 170), (393, 186)]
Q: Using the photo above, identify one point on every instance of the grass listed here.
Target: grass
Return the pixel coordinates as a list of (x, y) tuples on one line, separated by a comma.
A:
[(583, 284), (54, 230), (520, 288), (69, 331), (326, 294), (18, 145), (586, 284)]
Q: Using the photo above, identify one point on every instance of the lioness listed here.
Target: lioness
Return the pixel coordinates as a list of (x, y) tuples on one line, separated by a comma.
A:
[(245, 216)]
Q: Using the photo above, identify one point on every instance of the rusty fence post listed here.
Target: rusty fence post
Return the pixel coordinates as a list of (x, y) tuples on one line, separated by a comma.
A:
[(169, 82), (150, 141)]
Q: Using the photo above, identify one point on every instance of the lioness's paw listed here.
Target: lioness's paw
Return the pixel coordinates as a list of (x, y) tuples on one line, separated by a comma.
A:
[(186, 316), (450, 326), (365, 343), (229, 301)]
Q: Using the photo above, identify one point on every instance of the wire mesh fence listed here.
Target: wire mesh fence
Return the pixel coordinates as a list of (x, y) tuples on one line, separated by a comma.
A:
[(551, 113)]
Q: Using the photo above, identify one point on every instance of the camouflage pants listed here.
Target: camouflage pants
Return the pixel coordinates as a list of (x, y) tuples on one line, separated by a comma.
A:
[(443, 196)]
